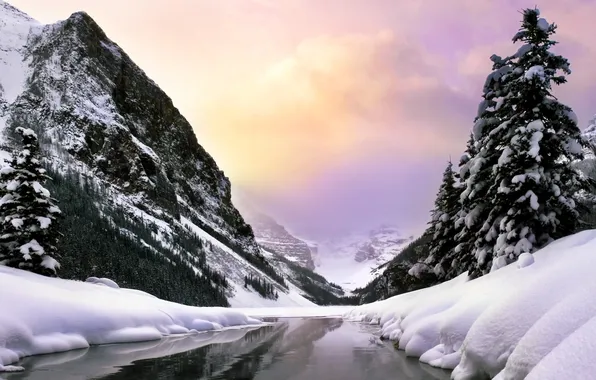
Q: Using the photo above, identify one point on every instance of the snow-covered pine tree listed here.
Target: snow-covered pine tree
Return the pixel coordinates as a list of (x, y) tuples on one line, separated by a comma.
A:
[(450, 263), (442, 224), (475, 172), (28, 214), (533, 185)]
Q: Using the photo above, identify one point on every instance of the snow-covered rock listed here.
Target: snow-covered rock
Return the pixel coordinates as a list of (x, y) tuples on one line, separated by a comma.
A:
[(103, 281), (534, 319), (274, 237)]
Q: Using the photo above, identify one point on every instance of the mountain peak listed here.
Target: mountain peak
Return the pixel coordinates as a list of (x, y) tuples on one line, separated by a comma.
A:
[(115, 140), (15, 27), (8, 11)]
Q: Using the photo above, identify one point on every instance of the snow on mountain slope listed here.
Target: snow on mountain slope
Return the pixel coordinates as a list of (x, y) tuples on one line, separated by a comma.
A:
[(291, 256), (274, 237), (14, 29), (227, 261), (125, 159), (590, 132), (351, 261)]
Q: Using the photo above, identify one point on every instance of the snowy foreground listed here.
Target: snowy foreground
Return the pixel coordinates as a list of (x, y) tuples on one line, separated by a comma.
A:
[(40, 315), (532, 320)]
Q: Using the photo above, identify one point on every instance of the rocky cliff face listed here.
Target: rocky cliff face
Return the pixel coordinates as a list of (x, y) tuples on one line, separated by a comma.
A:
[(93, 103), (111, 132), (274, 237)]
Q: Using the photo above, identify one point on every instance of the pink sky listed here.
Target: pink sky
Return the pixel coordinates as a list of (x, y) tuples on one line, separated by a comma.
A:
[(334, 114)]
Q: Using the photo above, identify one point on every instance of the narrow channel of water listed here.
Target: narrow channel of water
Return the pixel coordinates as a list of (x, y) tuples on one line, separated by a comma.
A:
[(294, 348)]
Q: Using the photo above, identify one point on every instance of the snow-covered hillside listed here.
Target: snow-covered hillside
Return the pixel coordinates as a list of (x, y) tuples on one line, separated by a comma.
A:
[(534, 319), (351, 261), (136, 188)]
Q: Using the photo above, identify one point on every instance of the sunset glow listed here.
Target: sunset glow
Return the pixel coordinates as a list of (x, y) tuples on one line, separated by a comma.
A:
[(338, 112)]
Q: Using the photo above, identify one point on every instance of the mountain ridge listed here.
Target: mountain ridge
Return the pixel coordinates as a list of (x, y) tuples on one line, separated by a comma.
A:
[(125, 160)]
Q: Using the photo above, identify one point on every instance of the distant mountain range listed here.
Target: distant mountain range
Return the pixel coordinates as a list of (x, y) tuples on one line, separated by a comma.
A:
[(348, 261), (275, 238), (351, 261)]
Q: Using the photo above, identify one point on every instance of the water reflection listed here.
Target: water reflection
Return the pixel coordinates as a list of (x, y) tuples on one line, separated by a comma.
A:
[(324, 348)]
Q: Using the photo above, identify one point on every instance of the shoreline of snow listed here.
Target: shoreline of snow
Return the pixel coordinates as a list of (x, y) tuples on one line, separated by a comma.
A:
[(103, 361), (512, 324), (296, 312), (42, 315)]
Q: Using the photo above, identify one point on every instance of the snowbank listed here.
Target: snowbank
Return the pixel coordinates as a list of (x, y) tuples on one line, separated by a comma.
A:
[(531, 319), (106, 360), (40, 315)]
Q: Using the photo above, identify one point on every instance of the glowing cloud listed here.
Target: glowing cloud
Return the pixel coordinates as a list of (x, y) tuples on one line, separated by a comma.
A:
[(335, 98), (313, 102)]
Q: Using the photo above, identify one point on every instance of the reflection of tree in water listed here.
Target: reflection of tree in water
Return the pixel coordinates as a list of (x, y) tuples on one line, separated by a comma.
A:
[(285, 350), (257, 350), (289, 356), (294, 345), (205, 361)]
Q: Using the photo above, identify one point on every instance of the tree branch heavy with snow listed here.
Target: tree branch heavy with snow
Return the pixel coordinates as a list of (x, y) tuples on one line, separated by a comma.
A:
[(28, 213)]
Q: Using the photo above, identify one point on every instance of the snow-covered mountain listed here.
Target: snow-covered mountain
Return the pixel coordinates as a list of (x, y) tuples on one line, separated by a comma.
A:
[(144, 203), (293, 257), (590, 132), (588, 165), (351, 261), (274, 237)]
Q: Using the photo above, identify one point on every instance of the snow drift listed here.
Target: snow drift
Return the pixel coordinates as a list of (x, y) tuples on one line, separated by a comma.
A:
[(523, 321), (40, 315)]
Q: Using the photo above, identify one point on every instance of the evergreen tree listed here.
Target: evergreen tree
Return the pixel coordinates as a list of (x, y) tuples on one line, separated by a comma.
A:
[(442, 224), (475, 172), (28, 214), (533, 186)]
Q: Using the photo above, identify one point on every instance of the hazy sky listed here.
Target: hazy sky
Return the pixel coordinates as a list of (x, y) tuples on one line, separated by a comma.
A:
[(333, 114)]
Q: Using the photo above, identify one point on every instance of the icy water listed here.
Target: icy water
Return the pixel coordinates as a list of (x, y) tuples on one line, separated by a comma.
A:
[(297, 349)]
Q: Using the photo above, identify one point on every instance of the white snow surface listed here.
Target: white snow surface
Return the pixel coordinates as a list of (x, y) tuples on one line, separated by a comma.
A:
[(237, 268), (43, 315), (533, 320), (103, 282), (14, 29)]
